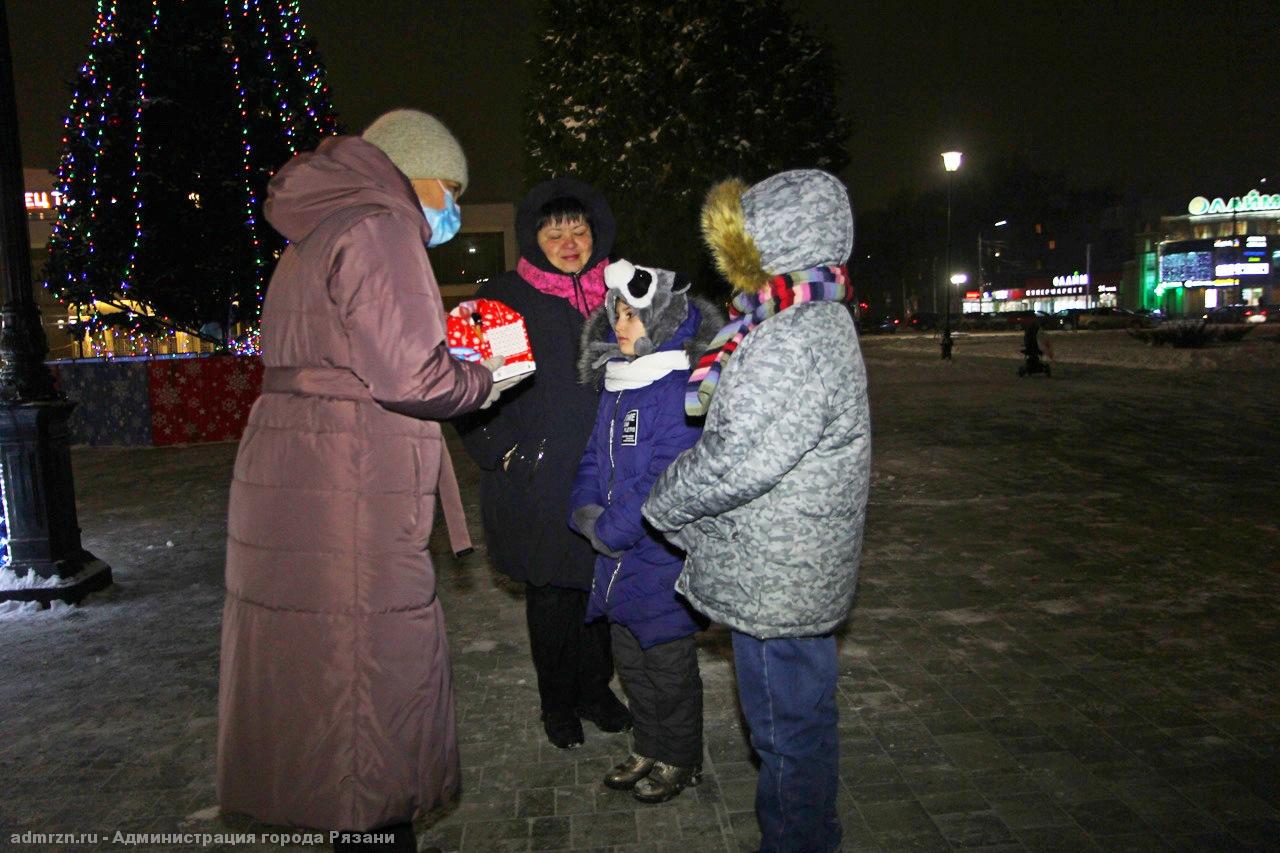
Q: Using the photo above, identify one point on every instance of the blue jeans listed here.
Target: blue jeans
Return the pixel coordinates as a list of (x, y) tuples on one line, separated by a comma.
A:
[(787, 687)]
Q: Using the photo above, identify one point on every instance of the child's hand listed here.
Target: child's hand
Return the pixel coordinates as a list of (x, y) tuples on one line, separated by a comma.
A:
[(585, 518)]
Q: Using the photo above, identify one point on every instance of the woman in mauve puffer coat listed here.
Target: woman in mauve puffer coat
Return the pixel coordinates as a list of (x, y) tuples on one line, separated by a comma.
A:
[(336, 700)]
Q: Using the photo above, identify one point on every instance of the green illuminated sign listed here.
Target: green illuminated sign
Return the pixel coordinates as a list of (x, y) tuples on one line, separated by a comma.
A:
[(1252, 201)]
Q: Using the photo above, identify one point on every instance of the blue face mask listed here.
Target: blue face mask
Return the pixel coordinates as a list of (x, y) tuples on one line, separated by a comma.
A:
[(444, 223)]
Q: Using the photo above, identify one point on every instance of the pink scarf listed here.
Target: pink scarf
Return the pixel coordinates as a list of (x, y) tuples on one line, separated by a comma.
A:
[(559, 284)]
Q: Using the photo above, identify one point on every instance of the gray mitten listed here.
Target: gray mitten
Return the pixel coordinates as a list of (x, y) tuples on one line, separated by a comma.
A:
[(585, 518)]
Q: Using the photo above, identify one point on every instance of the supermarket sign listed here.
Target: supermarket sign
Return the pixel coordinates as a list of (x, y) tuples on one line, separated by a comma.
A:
[(1251, 202)]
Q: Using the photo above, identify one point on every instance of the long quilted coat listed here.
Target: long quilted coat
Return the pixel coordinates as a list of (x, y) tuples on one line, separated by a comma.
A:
[(336, 701)]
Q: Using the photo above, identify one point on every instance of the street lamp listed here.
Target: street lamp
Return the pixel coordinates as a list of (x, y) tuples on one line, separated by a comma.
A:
[(959, 280), (35, 462), (950, 162)]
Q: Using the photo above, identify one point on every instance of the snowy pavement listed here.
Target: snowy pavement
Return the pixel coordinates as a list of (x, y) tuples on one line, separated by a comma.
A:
[(1066, 638)]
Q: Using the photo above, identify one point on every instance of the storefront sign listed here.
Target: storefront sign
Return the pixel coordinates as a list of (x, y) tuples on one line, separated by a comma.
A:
[(1074, 280), (1250, 202), (1058, 291), (1228, 270), (43, 200)]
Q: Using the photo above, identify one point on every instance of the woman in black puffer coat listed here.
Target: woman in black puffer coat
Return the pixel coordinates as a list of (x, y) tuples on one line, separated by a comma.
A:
[(528, 447)]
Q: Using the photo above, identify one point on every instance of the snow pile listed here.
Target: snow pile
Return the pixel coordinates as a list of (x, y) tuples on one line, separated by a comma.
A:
[(9, 579), (11, 610)]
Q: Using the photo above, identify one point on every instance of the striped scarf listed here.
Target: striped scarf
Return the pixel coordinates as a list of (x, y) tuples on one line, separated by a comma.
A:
[(749, 310)]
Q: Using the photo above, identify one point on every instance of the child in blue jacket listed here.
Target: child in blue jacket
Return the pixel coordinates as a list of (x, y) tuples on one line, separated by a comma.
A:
[(640, 343)]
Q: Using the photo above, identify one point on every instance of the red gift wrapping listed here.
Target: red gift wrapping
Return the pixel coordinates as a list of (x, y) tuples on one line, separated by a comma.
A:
[(201, 399), (491, 328)]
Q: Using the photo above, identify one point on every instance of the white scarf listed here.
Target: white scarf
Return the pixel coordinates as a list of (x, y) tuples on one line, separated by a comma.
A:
[(645, 370)]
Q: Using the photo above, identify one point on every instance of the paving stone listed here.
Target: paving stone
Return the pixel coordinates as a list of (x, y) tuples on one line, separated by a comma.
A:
[(575, 799), (973, 829), (898, 825), (604, 830), (1056, 840), (1105, 817), (954, 802), (550, 833), (501, 835)]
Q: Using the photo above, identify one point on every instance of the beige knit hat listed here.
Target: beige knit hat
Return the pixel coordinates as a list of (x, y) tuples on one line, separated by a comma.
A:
[(419, 145)]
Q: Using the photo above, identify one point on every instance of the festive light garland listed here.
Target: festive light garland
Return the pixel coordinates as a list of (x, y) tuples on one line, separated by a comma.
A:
[(299, 100)]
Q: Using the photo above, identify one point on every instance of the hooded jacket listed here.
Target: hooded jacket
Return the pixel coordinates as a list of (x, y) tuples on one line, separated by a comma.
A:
[(335, 699), (638, 432), (541, 426), (770, 503)]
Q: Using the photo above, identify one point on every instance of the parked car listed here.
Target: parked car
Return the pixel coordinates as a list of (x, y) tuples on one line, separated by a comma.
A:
[(883, 324), (1241, 314), (997, 321), (1021, 319), (923, 321), (1102, 318)]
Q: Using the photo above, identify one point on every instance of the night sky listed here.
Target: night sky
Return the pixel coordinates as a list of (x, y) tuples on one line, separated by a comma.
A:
[(1165, 99)]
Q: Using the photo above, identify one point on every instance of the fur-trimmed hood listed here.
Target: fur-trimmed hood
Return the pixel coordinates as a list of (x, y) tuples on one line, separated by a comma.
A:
[(792, 221), (692, 332)]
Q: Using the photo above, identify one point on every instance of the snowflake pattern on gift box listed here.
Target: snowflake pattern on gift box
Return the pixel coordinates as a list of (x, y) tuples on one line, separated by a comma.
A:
[(206, 399)]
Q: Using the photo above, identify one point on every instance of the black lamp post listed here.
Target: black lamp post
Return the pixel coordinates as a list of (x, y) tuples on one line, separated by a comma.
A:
[(950, 162), (35, 461)]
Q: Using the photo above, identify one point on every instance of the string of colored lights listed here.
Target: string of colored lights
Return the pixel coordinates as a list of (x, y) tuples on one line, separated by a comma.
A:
[(81, 104), (280, 96), (298, 97), (309, 70), (246, 156)]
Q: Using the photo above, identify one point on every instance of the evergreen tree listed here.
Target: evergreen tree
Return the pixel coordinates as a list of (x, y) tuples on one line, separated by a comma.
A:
[(181, 112), (655, 101)]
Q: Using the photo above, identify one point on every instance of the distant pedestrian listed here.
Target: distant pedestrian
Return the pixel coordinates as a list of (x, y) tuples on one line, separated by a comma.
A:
[(335, 703), (528, 448), (1035, 343), (640, 345), (770, 502), (947, 344)]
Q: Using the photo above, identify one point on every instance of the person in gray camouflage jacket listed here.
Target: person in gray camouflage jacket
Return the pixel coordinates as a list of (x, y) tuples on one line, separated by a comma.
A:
[(770, 503)]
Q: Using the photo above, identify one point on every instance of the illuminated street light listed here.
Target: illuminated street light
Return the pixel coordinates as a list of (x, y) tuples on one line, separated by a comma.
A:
[(950, 162), (960, 278)]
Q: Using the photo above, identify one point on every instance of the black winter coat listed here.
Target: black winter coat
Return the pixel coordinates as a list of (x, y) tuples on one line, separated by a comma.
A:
[(547, 419)]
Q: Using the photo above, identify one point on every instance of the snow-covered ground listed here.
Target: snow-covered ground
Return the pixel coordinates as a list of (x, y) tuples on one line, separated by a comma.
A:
[(1067, 635), (1259, 350)]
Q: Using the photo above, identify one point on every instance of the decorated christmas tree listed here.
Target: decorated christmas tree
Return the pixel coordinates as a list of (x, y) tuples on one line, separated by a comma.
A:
[(181, 113), (655, 101)]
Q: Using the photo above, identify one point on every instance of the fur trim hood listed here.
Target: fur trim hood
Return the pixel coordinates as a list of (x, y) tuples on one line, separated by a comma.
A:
[(692, 332), (792, 221)]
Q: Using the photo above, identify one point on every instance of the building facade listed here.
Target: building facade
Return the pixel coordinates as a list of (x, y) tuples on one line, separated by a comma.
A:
[(1221, 252)]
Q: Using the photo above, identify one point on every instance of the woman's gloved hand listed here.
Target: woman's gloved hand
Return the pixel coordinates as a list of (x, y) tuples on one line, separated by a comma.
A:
[(498, 387)]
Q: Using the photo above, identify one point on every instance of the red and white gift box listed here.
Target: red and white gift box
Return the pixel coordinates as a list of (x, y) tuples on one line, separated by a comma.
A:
[(489, 327)]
